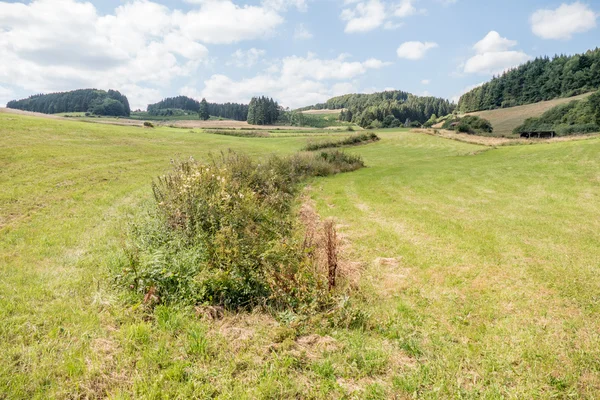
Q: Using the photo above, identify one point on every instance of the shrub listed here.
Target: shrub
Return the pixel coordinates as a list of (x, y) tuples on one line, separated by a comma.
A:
[(566, 130), (223, 233), (349, 141), (148, 124)]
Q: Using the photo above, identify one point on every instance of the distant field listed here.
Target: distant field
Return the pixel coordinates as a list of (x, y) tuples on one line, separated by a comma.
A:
[(504, 120), (320, 112), (477, 273)]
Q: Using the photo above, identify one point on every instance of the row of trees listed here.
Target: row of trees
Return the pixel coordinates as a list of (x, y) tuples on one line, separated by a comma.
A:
[(235, 111), (263, 111), (537, 80), (381, 109), (96, 101)]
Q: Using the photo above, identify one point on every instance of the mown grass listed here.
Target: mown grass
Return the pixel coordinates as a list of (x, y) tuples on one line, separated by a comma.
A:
[(479, 274)]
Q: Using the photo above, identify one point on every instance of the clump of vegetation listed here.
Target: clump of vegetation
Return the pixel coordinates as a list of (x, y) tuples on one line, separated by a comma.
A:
[(223, 233), (470, 124), (353, 140), (239, 133), (575, 117), (148, 124), (98, 102)]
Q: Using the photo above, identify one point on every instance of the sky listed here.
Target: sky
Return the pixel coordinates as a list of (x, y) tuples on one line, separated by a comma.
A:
[(300, 52)]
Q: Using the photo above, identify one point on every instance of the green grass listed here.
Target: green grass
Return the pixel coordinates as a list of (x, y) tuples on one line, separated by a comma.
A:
[(479, 270)]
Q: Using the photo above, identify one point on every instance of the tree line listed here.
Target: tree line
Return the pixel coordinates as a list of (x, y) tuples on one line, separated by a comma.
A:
[(387, 109), (537, 80), (95, 101), (170, 105), (263, 111)]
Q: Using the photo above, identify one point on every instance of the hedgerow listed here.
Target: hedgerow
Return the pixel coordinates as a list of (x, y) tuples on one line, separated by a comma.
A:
[(223, 233), (349, 141)]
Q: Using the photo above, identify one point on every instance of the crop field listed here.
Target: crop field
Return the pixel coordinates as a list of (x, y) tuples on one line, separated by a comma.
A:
[(475, 272), (504, 120)]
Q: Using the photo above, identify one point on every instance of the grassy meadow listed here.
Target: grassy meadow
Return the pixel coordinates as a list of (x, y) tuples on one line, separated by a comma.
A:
[(476, 273)]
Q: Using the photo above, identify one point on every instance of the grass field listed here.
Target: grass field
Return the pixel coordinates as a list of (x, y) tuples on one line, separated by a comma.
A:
[(477, 273), (504, 120)]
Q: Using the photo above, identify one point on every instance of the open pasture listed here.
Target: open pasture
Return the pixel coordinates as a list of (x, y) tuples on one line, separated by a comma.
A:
[(477, 273)]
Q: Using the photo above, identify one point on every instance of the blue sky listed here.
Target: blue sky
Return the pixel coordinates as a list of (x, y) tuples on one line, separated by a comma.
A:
[(298, 51)]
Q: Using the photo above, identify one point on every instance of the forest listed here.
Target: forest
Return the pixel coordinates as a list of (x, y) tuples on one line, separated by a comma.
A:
[(98, 102), (263, 111), (385, 109), (174, 105), (537, 80)]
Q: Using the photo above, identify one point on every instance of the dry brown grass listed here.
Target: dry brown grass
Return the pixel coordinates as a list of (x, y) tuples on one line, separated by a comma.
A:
[(498, 141), (322, 112), (504, 120)]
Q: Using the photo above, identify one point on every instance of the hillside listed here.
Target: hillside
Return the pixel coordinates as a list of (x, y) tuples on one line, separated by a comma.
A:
[(98, 102), (384, 109), (505, 120), (186, 107), (538, 80), (458, 254)]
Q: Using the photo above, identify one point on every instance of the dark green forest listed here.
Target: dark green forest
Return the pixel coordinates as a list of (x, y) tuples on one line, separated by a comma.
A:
[(173, 105), (263, 111), (537, 80), (385, 109), (95, 101)]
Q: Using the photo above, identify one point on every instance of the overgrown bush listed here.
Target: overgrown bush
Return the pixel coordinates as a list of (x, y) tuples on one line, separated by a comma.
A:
[(349, 141), (239, 133), (468, 124), (148, 124), (223, 233)]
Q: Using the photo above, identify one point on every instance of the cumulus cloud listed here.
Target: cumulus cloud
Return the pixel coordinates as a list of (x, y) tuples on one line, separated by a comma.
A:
[(425, 81), (455, 98), (49, 45), (294, 82), (246, 58), (5, 96), (301, 33), (564, 21), (415, 50), (493, 55), (364, 16)]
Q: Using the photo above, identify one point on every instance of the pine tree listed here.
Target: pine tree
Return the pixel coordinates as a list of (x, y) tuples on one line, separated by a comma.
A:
[(203, 110)]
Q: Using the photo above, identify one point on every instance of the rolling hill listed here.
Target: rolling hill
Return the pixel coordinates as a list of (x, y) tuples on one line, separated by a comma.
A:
[(504, 120)]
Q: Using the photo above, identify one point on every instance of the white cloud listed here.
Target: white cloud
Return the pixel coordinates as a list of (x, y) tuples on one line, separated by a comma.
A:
[(246, 58), (415, 50), (493, 42), (301, 33), (296, 81), (5, 96), (426, 81), (455, 98), (493, 55), (564, 21), (282, 5), (364, 16), (49, 45)]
